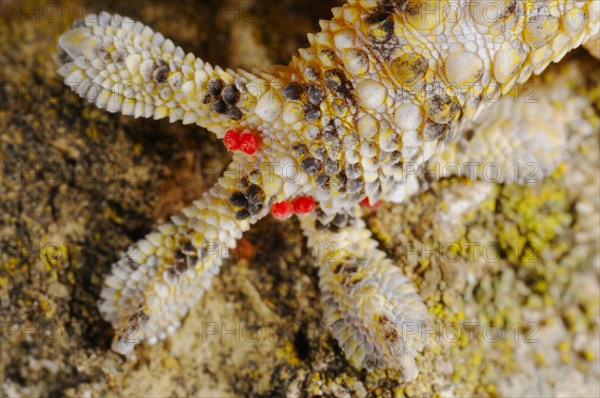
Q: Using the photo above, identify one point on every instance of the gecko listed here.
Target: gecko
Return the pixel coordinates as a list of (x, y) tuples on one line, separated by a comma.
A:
[(384, 86)]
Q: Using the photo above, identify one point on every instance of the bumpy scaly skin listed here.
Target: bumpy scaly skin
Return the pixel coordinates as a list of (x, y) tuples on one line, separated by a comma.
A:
[(156, 282), (381, 86), (370, 307), (508, 143)]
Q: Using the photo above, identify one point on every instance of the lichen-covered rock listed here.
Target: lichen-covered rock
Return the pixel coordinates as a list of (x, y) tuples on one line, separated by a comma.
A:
[(503, 266)]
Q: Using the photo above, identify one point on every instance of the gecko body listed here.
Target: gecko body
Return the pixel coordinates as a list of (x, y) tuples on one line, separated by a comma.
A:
[(381, 88)]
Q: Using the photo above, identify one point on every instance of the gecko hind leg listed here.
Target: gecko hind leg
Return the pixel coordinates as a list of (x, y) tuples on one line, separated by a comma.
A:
[(369, 306)]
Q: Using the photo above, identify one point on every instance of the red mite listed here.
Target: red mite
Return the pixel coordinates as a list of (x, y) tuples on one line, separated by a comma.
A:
[(248, 143), (232, 140), (300, 205), (365, 202), (283, 209), (304, 204), (245, 142)]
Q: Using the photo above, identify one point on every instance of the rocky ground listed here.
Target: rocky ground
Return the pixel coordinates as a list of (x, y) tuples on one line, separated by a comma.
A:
[(80, 184)]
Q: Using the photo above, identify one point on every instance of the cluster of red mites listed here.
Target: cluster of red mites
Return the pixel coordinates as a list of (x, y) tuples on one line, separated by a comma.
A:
[(300, 205), (248, 143), (245, 141)]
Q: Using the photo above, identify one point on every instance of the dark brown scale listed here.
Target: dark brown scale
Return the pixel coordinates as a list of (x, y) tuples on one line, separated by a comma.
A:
[(242, 215), (353, 171), (160, 74), (330, 128), (379, 15), (235, 113), (313, 134), (390, 158), (339, 181), (510, 9), (392, 6), (300, 149), (341, 85), (214, 87), (468, 135), (411, 67), (391, 335), (333, 79), (311, 166), (389, 331), (292, 91), (354, 186), (333, 228), (245, 182), (332, 167), (442, 109), (325, 222), (329, 55), (230, 94), (315, 94), (311, 73), (181, 267), (219, 106), (320, 226), (172, 272), (255, 195), (413, 8), (349, 267), (179, 257), (334, 152), (62, 57), (338, 268), (340, 220), (161, 62), (319, 152), (330, 137), (321, 179), (391, 142), (433, 131), (254, 209), (253, 176), (312, 114), (381, 26), (188, 249), (238, 199)]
